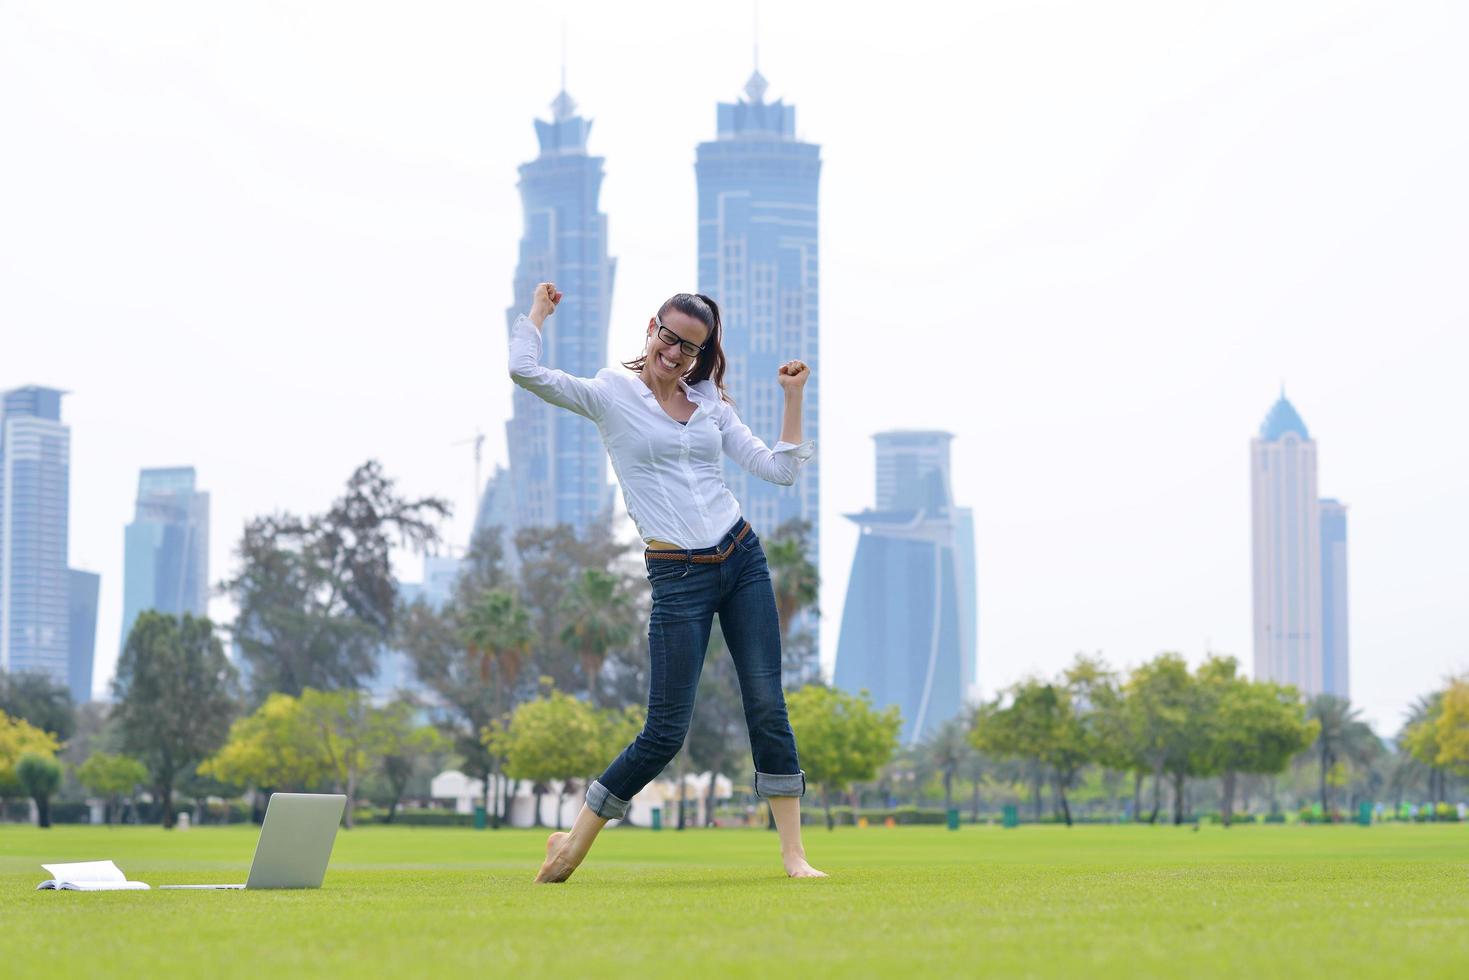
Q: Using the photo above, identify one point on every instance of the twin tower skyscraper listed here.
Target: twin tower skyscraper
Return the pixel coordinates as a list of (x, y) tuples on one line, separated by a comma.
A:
[(757, 257)]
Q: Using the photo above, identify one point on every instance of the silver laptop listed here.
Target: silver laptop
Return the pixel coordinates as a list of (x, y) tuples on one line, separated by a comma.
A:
[(295, 842)]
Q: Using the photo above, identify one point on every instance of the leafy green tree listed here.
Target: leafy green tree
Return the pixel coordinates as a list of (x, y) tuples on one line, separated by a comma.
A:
[(1441, 738), (344, 730), (175, 695), (1418, 747), (433, 642), (316, 595), (18, 738), (1341, 736), (1255, 727), (717, 735), (600, 615), (112, 777), (1037, 721), (40, 775), (1160, 722), (273, 747), (35, 697), (842, 737), (403, 746), (554, 737)]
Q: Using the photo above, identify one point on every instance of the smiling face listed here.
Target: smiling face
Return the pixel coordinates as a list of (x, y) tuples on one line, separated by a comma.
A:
[(666, 356)]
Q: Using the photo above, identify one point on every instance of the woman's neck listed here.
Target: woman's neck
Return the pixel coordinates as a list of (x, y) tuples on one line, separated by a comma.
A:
[(663, 389)]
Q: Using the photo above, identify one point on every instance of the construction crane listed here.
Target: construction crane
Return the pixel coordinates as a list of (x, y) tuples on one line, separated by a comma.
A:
[(479, 448)]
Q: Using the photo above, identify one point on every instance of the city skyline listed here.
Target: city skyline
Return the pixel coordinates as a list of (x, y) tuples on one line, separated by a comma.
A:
[(166, 554), (1088, 243)]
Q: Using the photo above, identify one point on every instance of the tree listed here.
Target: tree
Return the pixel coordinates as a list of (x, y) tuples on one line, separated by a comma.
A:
[(797, 584), (112, 777), (35, 697), (1418, 746), (1441, 739), (600, 616), (344, 731), (175, 695), (947, 750), (432, 640), (403, 746), (39, 775), (1255, 727), (554, 737), (843, 738), (273, 747), (497, 635), (1040, 723), (18, 738), (316, 595), (1159, 721), (1341, 736)]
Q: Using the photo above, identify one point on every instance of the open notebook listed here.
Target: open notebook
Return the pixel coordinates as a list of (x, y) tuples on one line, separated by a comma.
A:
[(88, 876)]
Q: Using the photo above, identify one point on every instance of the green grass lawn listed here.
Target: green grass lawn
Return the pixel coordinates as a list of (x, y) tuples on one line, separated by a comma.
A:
[(915, 902)]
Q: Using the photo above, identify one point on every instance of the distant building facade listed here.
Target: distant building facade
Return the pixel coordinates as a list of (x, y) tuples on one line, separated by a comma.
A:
[(35, 583), (558, 466), (82, 605), (1298, 540), (910, 623), (166, 548), (758, 259)]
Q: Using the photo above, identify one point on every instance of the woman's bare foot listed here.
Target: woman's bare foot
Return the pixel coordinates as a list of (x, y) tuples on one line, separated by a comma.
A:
[(797, 867), (556, 868)]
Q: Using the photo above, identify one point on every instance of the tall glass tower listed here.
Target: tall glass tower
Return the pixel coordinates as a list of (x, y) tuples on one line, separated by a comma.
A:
[(1299, 556), (558, 467), (35, 585), (758, 258), (1335, 674), (166, 548), (910, 622)]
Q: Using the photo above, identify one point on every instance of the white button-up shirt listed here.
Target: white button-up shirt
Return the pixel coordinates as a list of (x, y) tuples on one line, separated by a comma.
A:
[(669, 472)]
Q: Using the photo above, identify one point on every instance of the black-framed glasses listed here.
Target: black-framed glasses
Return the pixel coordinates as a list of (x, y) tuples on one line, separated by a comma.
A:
[(689, 348)]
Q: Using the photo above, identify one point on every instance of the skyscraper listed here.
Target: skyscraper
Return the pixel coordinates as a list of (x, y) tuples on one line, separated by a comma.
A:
[(35, 585), (558, 467), (166, 548), (1335, 674), (1296, 536), (82, 618), (910, 622), (757, 187)]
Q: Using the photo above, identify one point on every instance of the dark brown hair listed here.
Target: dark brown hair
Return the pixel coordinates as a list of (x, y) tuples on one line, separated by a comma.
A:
[(710, 362)]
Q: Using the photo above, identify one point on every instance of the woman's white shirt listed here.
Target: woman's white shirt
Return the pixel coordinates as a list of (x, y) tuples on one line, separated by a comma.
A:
[(670, 473)]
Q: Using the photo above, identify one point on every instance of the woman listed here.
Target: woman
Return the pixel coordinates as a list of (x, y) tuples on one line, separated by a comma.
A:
[(664, 425)]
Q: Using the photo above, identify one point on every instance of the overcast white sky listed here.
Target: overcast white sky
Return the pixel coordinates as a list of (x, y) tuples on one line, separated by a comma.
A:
[(271, 240)]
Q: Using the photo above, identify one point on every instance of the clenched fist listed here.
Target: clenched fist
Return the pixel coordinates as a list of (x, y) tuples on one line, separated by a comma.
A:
[(793, 376), (544, 301)]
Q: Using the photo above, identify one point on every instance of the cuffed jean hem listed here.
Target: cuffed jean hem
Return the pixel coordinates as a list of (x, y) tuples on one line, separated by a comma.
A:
[(792, 785), (604, 804)]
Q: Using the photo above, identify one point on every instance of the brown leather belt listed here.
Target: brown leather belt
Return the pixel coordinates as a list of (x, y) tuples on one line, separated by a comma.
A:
[(699, 559)]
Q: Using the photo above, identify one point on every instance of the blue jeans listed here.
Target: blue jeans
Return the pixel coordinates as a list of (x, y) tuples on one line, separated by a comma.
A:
[(686, 596)]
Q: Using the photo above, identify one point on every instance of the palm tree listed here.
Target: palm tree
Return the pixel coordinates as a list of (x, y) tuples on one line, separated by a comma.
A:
[(600, 617), (796, 580), (1344, 736), (497, 635)]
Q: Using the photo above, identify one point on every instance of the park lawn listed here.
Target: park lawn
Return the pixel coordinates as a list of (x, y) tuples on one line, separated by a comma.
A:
[(1096, 901)]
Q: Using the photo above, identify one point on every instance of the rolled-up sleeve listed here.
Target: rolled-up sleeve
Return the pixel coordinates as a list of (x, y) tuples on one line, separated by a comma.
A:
[(774, 465), (585, 396)]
